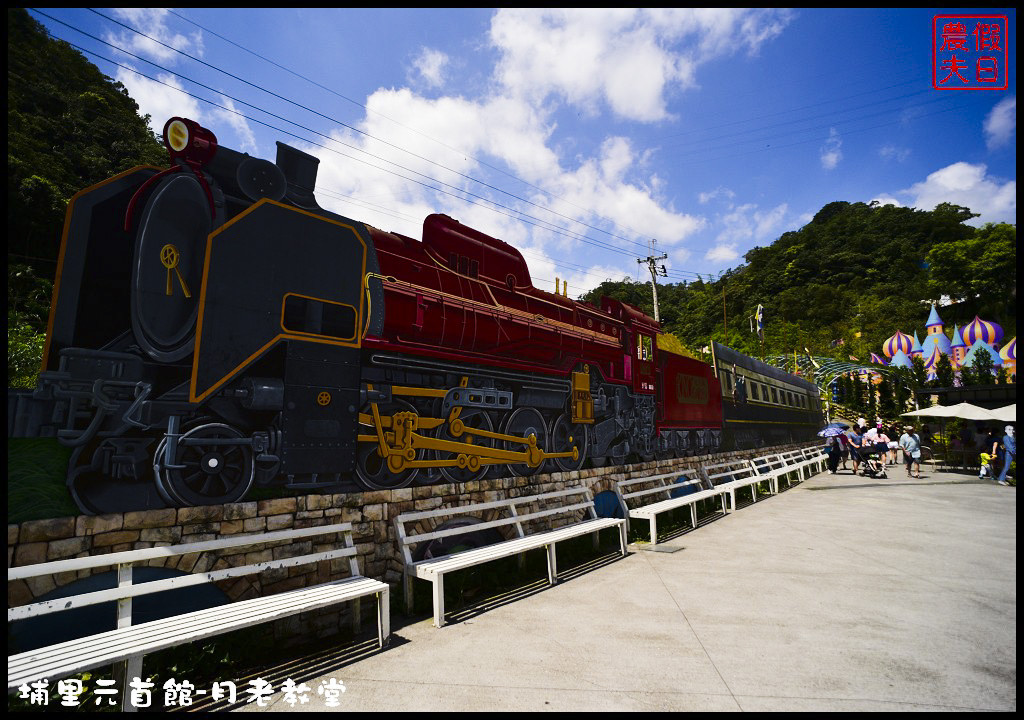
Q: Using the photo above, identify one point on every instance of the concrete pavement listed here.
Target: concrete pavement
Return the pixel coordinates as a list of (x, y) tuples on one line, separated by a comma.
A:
[(841, 594)]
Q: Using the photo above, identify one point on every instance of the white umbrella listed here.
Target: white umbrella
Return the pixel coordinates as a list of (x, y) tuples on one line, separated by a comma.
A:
[(1005, 414), (961, 410)]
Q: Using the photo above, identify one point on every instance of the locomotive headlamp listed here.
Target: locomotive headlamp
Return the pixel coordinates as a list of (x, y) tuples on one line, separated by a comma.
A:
[(189, 140)]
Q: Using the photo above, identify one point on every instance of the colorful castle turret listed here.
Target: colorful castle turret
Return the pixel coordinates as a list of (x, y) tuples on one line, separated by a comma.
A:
[(915, 349), (988, 332), (899, 342), (1009, 357), (959, 348), (978, 345)]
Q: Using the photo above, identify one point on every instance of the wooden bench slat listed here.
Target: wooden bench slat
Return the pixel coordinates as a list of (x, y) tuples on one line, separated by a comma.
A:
[(146, 554), (147, 588), (423, 537), (113, 646), (477, 556)]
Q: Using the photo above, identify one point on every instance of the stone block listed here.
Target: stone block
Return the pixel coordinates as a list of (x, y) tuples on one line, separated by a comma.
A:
[(45, 530), (163, 534), (200, 514), (319, 502), (280, 522), (240, 511), (12, 534), (18, 593), (94, 524), (41, 585), (30, 553), (150, 518), (276, 506), (68, 547), (256, 524)]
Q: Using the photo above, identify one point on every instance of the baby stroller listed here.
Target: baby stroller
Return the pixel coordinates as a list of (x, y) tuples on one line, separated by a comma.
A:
[(872, 465)]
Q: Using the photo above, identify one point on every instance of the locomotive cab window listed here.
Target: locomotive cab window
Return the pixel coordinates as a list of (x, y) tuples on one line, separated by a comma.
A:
[(318, 317)]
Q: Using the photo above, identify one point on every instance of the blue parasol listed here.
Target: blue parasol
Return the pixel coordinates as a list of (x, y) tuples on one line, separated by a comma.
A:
[(830, 431), (844, 426)]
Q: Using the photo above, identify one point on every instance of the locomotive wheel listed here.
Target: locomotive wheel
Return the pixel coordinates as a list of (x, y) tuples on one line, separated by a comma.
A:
[(97, 492), (475, 418), (522, 423), (561, 430), (371, 469), (213, 474)]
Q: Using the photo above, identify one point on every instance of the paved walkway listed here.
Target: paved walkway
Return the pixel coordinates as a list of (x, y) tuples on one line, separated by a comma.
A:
[(844, 593)]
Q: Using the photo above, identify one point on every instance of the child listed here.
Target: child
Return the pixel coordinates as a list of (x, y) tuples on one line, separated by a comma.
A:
[(985, 470)]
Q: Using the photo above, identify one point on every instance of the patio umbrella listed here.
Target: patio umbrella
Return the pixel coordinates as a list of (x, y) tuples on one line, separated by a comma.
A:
[(843, 426), (830, 431)]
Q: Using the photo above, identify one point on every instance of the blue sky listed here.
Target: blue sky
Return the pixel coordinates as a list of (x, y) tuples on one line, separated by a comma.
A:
[(579, 136)]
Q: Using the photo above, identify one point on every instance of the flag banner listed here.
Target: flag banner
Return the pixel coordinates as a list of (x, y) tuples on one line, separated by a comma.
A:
[(760, 321)]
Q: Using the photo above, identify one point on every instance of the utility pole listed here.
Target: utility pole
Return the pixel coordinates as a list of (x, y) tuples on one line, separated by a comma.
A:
[(652, 265)]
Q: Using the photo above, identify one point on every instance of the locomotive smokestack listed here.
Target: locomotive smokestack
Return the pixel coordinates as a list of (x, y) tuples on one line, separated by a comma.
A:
[(299, 169)]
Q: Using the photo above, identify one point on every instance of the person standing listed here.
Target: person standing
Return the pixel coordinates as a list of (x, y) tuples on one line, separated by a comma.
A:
[(832, 447), (883, 446), (855, 440), (911, 444), (1009, 453)]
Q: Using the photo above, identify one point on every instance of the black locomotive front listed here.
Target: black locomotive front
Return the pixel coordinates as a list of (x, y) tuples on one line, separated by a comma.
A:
[(205, 330)]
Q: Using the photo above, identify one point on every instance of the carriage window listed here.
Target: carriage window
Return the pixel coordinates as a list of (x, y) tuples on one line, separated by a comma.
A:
[(775, 395), (753, 391)]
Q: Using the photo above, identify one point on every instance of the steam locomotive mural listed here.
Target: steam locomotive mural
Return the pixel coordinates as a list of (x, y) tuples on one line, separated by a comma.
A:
[(213, 329)]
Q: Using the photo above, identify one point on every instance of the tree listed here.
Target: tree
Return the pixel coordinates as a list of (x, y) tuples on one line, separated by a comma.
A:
[(944, 372), (981, 368), (919, 375)]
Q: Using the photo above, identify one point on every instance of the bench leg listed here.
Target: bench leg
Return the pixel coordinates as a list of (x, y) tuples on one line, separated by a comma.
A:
[(384, 617), (732, 499), (124, 673), (439, 600), (357, 616), (693, 514), (654, 529), (597, 544), (407, 591), (622, 538), (552, 564), (724, 510)]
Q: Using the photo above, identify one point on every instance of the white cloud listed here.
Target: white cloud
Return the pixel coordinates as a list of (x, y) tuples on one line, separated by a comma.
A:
[(246, 138), (151, 22), (967, 185), (1001, 124), (431, 66), (158, 101), (830, 152), (892, 152), (706, 197), (746, 222), (628, 59), (722, 253)]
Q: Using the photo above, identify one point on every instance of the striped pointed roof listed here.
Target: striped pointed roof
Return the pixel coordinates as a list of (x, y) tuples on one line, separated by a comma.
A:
[(978, 329), (878, 360), (1009, 351), (933, 317), (932, 359), (899, 341)]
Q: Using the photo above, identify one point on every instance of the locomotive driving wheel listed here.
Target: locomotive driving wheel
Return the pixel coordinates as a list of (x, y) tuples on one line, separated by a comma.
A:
[(209, 469), (523, 423), (372, 470), (562, 429)]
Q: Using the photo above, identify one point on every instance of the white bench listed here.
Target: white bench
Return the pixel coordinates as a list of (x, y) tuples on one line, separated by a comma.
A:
[(434, 569), (775, 467), (818, 458), (735, 474), (798, 461), (126, 646), (665, 484)]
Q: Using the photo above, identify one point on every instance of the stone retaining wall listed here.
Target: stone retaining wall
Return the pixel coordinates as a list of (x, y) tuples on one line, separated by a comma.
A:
[(371, 514)]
